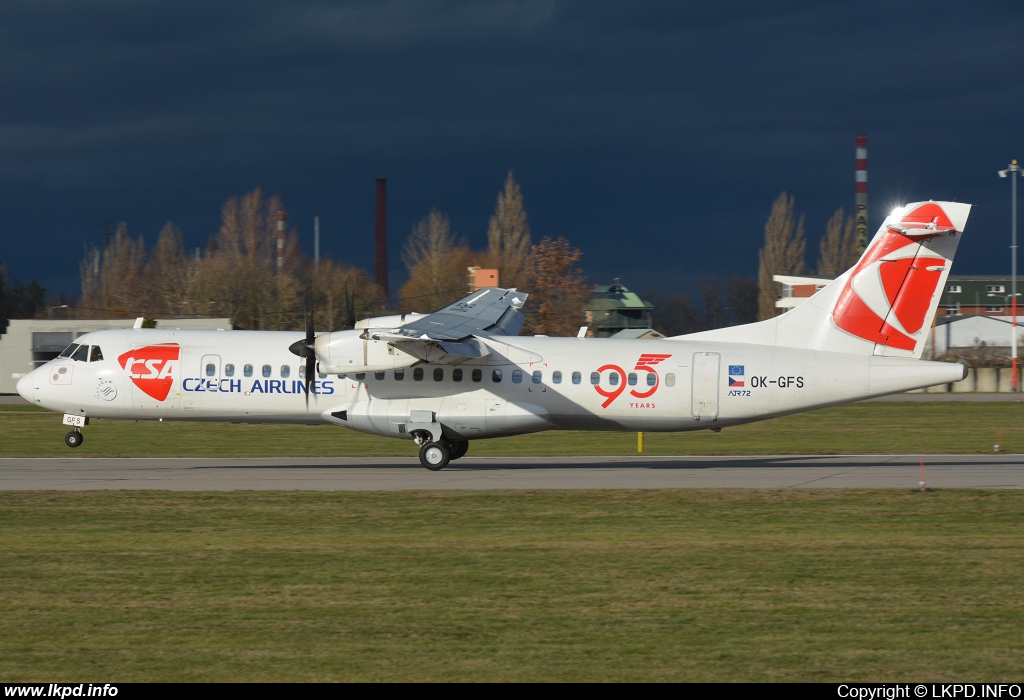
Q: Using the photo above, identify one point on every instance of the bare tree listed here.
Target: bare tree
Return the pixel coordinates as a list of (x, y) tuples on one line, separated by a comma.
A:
[(167, 273), (239, 275), (437, 260), (508, 235), (837, 251), (343, 295), (741, 299), (558, 289), (112, 279), (674, 314), (782, 254)]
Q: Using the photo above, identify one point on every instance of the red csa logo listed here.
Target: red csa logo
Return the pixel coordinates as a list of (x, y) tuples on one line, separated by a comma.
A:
[(644, 364), (152, 368), (887, 296)]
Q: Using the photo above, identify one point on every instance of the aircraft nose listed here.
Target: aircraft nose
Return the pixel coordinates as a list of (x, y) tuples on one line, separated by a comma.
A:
[(25, 387)]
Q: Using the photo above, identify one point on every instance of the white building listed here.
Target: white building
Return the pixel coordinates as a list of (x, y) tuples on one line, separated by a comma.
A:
[(28, 343), (969, 334)]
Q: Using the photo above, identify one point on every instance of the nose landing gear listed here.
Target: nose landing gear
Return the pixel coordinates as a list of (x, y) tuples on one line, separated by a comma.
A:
[(74, 438)]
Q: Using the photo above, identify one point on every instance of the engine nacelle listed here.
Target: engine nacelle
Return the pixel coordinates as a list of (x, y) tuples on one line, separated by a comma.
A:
[(340, 352), (388, 322)]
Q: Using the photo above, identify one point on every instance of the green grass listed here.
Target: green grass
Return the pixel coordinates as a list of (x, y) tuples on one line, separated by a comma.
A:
[(687, 585), (942, 427)]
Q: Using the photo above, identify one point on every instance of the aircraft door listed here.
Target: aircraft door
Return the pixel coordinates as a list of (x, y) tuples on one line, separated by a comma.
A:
[(209, 370), (704, 396)]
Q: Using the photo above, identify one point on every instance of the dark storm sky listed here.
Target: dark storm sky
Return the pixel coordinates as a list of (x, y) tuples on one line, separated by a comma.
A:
[(654, 135)]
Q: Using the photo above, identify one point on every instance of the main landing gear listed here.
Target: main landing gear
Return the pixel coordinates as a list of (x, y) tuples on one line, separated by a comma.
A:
[(74, 438), (436, 455)]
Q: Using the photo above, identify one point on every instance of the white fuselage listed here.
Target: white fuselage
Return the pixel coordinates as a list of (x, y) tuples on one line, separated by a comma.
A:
[(526, 384)]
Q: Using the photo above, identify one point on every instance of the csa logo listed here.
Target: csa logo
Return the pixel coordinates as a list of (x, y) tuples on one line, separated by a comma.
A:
[(887, 297), (152, 368)]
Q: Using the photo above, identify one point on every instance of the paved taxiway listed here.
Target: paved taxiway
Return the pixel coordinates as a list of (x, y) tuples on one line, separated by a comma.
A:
[(390, 473)]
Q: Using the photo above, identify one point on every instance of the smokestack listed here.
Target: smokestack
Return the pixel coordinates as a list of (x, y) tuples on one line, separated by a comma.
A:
[(861, 181), (316, 242), (381, 259), (281, 218)]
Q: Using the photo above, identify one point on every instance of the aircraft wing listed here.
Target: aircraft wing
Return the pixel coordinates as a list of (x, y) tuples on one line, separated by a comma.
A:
[(491, 311)]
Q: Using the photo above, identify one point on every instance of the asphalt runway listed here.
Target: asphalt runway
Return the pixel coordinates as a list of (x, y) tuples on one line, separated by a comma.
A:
[(391, 473)]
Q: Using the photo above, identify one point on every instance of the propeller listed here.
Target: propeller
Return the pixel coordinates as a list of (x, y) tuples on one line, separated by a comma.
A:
[(306, 349)]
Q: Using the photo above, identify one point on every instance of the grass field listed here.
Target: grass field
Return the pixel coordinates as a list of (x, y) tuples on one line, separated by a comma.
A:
[(942, 427), (812, 585)]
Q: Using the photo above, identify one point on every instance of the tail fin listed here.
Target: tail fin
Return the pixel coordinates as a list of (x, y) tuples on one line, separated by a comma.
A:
[(885, 304)]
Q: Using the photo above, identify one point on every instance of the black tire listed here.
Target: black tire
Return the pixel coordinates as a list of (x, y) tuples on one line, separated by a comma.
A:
[(435, 456), (459, 449), (73, 439)]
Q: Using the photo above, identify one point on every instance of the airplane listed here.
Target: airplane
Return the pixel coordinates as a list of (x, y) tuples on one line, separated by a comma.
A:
[(463, 373)]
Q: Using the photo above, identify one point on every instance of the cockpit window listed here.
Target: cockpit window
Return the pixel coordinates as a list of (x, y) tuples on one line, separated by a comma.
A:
[(81, 354), (69, 350), (95, 354)]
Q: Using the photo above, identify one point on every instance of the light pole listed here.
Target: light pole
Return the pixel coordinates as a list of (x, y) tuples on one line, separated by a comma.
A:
[(1012, 171), (1013, 340)]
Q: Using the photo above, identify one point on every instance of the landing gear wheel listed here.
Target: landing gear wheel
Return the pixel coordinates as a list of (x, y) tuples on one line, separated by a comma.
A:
[(73, 439), (459, 448), (434, 456)]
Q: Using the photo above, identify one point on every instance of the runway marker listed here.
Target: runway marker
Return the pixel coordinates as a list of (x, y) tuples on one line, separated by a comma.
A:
[(999, 445)]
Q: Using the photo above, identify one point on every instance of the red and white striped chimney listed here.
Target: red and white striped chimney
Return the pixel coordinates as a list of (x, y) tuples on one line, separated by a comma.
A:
[(861, 181), (281, 218)]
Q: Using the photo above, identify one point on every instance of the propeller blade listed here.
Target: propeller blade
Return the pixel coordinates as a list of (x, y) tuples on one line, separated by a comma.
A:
[(309, 349)]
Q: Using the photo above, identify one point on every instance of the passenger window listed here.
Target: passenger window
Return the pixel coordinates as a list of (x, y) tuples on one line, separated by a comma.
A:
[(556, 377), (321, 375), (456, 375), (95, 354), (302, 371), (342, 376), (266, 370), (81, 354), (536, 377), (211, 369), (438, 374), (378, 375), (478, 375), (595, 378), (517, 376), (285, 371), (577, 377), (496, 375), (652, 379), (670, 379), (247, 370), (613, 378), (229, 370), (399, 375), (69, 350), (417, 374), (631, 379), (360, 376)]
